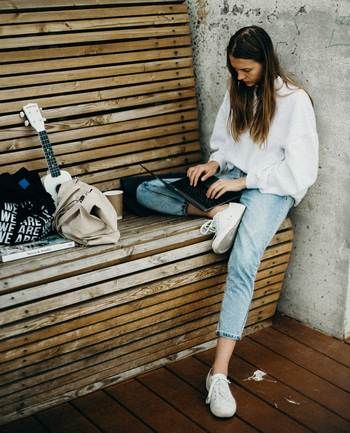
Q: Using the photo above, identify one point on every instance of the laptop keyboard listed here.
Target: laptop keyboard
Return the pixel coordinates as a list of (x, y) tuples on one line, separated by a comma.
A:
[(199, 192)]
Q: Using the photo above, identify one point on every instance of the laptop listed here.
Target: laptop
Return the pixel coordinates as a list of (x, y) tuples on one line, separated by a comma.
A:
[(197, 195)]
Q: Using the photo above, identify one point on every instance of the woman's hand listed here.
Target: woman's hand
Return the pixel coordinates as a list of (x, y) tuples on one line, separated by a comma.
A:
[(202, 172), (221, 186)]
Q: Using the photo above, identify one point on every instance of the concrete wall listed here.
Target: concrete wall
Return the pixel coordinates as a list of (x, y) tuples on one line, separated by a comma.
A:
[(312, 39)]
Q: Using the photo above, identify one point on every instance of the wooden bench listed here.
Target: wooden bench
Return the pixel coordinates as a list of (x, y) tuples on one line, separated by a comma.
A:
[(116, 83)]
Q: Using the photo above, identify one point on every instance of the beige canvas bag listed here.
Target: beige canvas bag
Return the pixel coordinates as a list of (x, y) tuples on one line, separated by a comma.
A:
[(85, 215)]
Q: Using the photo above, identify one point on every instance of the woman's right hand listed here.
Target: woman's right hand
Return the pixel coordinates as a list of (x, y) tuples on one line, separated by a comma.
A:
[(202, 172)]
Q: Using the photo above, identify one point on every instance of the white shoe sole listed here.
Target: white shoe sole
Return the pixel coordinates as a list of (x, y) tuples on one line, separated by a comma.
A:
[(223, 243)]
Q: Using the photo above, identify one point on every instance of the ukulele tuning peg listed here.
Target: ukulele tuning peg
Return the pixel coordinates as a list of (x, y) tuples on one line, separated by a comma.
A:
[(26, 123), (44, 119), (21, 114)]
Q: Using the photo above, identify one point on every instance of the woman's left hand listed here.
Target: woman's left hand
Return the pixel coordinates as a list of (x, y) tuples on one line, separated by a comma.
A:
[(218, 188)]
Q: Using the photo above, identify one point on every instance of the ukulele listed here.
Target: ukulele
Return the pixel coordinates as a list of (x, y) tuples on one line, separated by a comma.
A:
[(55, 177)]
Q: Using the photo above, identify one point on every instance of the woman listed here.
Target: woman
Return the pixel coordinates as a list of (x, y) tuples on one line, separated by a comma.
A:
[(265, 144)]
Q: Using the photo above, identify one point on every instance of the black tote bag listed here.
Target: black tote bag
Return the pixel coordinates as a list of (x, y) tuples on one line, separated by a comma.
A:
[(26, 209)]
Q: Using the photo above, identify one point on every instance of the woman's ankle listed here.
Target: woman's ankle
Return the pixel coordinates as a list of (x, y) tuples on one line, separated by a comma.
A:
[(219, 371), (212, 212)]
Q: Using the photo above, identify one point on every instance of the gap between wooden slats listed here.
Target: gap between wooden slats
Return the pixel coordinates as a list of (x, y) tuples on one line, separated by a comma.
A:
[(73, 14)]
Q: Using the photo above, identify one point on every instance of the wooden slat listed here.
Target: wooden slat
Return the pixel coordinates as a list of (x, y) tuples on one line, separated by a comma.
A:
[(110, 330), (306, 357), (92, 24), (74, 14), (264, 417), (97, 126), (102, 256), (296, 405), (125, 102), (194, 338), (83, 37), (122, 143), (100, 321), (89, 50), (185, 399), (66, 419), (96, 305), (108, 414), (148, 403), (119, 76), (39, 4), (335, 349), (44, 376), (295, 376), (286, 399), (89, 278), (99, 377), (106, 65), (170, 143), (27, 425)]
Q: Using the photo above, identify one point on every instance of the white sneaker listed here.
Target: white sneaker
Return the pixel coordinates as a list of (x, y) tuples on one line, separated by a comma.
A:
[(221, 401), (224, 225)]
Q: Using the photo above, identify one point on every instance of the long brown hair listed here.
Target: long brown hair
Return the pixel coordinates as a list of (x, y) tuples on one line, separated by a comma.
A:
[(254, 43)]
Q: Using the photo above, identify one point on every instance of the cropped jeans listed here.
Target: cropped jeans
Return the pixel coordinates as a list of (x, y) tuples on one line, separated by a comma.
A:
[(263, 216)]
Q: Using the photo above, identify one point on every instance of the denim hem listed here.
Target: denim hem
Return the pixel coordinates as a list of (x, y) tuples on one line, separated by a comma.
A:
[(227, 335), (184, 209)]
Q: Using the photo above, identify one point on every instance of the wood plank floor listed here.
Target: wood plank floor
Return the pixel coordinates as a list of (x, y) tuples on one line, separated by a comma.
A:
[(306, 389)]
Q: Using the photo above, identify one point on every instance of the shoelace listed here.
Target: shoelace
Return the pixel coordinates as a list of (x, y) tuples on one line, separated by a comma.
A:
[(214, 381), (208, 227)]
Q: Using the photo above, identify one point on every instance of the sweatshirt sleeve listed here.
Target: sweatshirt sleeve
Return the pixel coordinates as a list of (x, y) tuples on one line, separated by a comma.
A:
[(297, 171), (220, 133)]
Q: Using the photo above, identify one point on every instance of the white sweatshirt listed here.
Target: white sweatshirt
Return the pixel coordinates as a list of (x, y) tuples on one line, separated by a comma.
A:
[(288, 162)]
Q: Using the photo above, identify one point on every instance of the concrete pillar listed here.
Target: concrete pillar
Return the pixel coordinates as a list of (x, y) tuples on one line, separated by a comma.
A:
[(313, 42)]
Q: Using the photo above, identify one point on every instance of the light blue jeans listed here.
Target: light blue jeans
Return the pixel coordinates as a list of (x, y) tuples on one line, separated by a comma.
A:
[(263, 216)]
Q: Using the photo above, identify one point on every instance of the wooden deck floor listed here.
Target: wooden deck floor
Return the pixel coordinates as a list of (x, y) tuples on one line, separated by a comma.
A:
[(307, 388)]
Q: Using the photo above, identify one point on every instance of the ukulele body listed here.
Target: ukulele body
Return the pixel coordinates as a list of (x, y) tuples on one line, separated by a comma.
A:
[(53, 183)]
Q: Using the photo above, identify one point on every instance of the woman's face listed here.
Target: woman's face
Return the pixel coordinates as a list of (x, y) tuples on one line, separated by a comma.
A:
[(249, 71)]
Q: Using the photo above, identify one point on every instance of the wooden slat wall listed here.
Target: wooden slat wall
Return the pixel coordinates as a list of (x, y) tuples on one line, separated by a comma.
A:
[(88, 317), (115, 81)]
